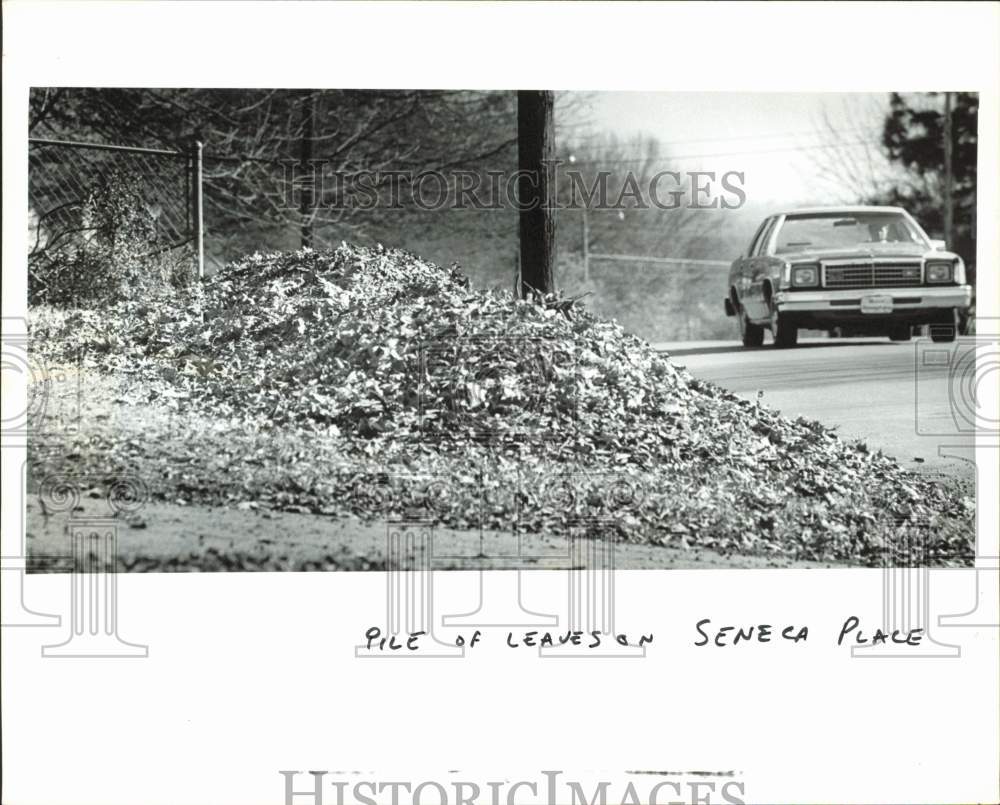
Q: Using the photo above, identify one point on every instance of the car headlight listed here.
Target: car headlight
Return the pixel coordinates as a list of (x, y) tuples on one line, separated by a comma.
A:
[(939, 272), (805, 276)]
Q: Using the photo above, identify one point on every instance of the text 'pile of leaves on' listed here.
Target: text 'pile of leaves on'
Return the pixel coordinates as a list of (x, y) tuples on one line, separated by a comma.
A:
[(365, 381)]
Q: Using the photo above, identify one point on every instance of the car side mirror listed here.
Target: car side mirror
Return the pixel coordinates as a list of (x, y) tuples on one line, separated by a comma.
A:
[(939, 245)]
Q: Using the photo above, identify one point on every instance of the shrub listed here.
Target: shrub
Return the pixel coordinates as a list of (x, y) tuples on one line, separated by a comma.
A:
[(112, 253)]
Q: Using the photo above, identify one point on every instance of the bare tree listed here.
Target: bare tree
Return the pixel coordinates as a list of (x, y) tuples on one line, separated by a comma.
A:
[(657, 300), (850, 162), (283, 165)]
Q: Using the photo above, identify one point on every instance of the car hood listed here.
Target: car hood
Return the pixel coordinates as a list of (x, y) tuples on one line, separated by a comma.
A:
[(874, 251)]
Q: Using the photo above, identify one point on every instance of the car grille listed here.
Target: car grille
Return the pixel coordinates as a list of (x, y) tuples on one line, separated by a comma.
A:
[(867, 275)]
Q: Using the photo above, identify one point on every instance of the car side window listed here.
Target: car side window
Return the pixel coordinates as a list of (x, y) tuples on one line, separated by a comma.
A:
[(756, 238), (762, 243)]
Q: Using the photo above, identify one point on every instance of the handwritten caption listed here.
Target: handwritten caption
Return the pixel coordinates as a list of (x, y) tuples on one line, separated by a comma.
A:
[(851, 632)]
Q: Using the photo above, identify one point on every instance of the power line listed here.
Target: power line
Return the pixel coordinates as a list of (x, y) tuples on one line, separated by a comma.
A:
[(604, 137), (673, 157)]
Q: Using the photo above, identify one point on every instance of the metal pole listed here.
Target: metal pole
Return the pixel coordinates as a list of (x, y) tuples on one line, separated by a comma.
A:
[(102, 147), (197, 211), (305, 159), (949, 212), (668, 261)]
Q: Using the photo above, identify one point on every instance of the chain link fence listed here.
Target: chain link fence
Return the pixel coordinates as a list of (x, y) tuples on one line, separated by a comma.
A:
[(102, 202)]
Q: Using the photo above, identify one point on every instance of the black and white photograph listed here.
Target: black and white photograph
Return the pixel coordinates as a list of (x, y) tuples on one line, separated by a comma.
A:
[(267, 325), (500, 403)]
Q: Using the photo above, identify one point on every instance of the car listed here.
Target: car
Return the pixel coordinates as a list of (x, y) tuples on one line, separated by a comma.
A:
[(862, 268)]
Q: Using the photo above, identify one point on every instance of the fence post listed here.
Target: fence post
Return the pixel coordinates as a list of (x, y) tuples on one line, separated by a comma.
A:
[(196, 206)]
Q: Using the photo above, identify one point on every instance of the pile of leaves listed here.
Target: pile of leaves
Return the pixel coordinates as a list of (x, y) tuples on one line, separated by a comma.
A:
[(369, 381)]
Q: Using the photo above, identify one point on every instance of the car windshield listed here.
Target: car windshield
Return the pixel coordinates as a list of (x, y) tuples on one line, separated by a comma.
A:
[(845, 230)]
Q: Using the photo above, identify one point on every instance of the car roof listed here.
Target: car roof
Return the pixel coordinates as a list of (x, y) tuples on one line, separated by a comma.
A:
[(843, 209)]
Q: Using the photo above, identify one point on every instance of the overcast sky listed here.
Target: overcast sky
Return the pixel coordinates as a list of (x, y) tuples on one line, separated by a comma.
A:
[(780, 140)]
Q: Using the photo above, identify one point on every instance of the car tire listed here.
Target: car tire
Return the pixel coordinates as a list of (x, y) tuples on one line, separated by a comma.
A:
[(900, 333), (944, 331), (785, 333), (752, 335)]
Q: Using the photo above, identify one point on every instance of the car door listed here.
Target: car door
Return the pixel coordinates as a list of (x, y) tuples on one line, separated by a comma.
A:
[(744, 267), (757, 267)]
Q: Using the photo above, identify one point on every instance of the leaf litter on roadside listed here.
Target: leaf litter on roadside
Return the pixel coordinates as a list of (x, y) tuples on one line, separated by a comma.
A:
[(304, 380)]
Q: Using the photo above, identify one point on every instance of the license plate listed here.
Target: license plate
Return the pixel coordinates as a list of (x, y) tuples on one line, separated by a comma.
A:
[(876, 304)]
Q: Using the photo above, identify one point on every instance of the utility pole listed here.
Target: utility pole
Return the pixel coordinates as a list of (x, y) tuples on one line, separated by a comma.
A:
[(197, 205), (586, 244), (949, 210), (535, 152), (305, 160)]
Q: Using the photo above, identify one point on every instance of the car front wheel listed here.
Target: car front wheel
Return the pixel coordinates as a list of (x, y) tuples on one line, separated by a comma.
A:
[(785, 333), (945, 330), (752, 335)]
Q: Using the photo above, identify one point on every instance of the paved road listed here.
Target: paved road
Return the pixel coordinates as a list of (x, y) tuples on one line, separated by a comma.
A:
[(901, 397)]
